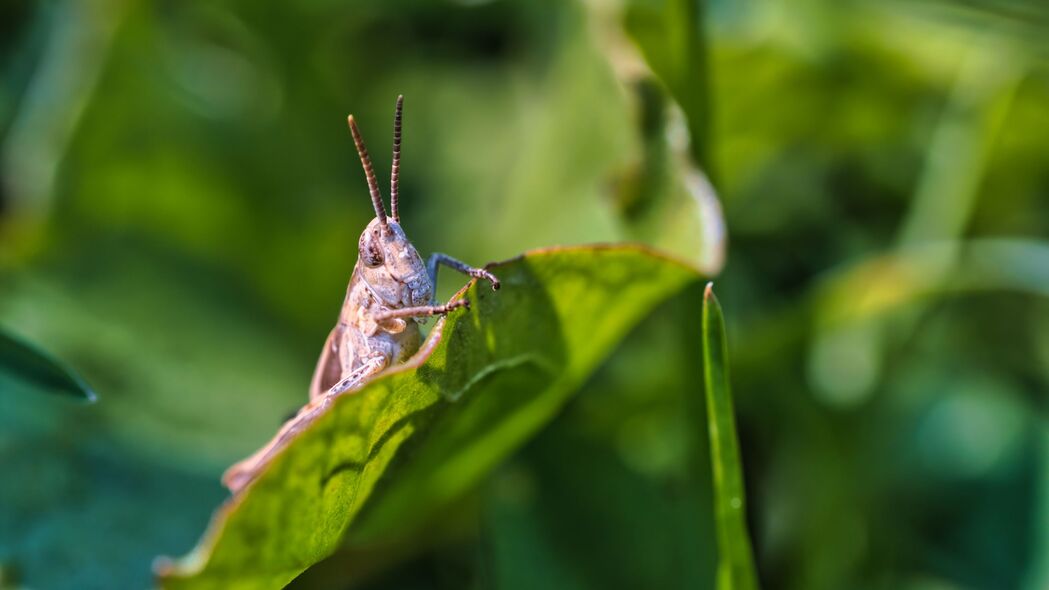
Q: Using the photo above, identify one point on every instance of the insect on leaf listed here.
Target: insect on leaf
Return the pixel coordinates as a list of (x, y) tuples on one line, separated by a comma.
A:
[(30, 366), (735, 559), (379, 462)]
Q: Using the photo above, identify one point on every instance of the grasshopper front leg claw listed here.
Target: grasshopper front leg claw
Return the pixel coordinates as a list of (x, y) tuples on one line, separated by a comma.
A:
[(478, 273)]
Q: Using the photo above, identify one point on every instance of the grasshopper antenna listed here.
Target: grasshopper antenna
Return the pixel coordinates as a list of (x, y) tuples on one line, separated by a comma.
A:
[(369, 172), (396, 168)]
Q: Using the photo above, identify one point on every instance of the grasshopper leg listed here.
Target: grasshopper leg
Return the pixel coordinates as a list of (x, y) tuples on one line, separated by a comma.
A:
[(423, 310), (478, 273)]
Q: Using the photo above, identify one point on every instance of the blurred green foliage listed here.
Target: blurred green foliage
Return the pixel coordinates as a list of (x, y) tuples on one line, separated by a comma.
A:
[(179, 213)]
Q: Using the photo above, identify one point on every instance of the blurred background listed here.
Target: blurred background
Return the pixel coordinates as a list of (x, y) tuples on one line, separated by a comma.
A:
[(180, 204)]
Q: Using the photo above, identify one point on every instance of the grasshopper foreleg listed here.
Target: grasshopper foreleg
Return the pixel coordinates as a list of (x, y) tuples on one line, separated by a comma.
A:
[(423, 310), (477, 273)]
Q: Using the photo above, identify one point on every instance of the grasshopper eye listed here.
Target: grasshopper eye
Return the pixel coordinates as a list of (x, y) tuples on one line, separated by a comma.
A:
[(370, 253)]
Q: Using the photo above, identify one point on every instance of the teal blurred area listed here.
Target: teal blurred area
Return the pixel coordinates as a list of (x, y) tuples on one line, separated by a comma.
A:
[(180, 203)]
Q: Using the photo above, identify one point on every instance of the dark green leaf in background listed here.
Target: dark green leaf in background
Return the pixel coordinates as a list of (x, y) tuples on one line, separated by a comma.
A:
[(27, 365)]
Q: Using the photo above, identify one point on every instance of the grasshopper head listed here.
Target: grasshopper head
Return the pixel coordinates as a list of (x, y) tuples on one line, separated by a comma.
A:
[(387, 260), (391, 265)]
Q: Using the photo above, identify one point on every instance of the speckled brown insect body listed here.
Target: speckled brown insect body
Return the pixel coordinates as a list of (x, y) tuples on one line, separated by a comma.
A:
[(390, 291)]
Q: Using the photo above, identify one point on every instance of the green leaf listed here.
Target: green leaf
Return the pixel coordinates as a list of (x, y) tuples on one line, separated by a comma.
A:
[(378, 463), (32, 367), (735, 560)]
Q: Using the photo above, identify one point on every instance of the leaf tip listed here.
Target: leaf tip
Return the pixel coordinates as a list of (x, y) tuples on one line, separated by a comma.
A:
[(79, 387), (708, 292)]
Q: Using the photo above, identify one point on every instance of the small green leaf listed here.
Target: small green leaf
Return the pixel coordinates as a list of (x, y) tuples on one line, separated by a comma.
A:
[(30, 366), (379, 462), (735, 559)]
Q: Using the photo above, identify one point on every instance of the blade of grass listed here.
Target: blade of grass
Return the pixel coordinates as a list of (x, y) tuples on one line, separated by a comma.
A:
[(735, 559), (27, 363)]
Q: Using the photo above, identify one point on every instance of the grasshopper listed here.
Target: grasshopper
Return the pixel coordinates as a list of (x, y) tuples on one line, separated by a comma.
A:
[(390, 291)]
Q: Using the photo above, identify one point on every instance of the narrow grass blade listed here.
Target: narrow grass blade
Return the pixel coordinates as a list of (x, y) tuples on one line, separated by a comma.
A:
[(26, 363), (735, 559)]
